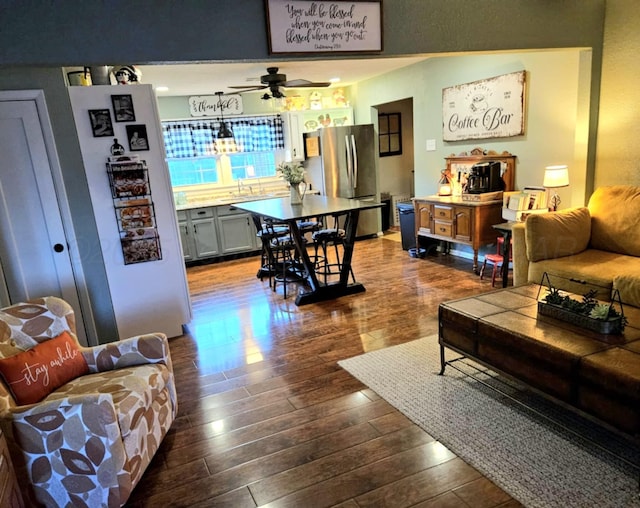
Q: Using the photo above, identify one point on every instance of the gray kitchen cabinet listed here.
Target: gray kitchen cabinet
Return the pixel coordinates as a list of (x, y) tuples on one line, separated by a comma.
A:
[(205, 237), (214, 231), (185, 235), (236, 230), (198, 233)]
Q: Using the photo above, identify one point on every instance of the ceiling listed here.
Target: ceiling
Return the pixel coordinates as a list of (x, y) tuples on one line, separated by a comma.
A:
[(206, 79)]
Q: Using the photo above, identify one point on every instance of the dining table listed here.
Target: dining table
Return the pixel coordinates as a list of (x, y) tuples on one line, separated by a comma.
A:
[(281, 210)]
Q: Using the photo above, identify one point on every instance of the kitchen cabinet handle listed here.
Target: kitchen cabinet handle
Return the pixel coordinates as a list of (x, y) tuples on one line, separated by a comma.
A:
[(58, 247), (201, 212)]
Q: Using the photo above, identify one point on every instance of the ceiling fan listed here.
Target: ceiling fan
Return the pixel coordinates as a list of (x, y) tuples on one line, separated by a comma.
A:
[(274, 82)]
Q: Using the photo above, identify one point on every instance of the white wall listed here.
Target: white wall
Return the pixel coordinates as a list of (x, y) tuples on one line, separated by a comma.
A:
[(554, 128), (618, 150), (152, 296)]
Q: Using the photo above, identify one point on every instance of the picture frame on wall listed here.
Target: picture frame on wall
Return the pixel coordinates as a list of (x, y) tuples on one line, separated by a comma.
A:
[(137, 136), (101, 125), (123, 108), (337, 26)]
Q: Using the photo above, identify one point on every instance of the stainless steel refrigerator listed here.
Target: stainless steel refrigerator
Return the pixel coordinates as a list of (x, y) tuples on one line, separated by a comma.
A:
[(347, 167)]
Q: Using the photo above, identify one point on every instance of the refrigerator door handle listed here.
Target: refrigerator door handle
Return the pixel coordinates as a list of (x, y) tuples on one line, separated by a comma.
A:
[(354, 150), (349, 161)]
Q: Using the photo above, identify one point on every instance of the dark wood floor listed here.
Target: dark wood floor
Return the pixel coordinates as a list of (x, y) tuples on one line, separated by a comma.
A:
[(268, 418)]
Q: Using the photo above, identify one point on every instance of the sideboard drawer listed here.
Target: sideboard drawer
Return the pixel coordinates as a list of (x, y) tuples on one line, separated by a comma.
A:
[(443, 212), (443, 229)]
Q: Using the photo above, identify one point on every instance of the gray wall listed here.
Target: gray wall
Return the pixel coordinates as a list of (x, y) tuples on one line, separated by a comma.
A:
[(38, 36)]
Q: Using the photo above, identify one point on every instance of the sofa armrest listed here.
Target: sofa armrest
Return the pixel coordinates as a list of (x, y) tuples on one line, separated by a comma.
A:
[(148, 348), (557, 234), (519, 255)]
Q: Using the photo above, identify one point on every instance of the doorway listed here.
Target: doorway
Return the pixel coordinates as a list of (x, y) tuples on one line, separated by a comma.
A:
[(396, 168)]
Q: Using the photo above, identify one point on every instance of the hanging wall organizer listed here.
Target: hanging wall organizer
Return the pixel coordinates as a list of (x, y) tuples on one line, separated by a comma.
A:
[(131, 193)]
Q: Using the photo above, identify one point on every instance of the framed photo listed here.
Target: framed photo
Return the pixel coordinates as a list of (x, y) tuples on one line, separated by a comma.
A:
[(123, 108), (137, 136), (101, 123)]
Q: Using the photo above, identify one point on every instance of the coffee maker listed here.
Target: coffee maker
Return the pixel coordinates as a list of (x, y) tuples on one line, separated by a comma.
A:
[(485, 177)]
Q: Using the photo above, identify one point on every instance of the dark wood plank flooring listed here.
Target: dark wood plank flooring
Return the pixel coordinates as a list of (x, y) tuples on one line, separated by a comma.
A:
[(268, 418)]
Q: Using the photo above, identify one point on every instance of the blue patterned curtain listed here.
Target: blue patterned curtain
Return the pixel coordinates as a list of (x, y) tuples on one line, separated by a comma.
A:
[(195, 138)]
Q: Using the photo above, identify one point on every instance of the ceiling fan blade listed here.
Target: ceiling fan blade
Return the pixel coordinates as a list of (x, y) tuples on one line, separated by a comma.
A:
[(304, 83), (248, 88)]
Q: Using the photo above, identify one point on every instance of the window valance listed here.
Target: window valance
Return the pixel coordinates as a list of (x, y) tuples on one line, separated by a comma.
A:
[(195, 138)]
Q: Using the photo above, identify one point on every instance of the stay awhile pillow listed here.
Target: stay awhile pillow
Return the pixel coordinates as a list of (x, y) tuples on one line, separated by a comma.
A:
[(35, 373)]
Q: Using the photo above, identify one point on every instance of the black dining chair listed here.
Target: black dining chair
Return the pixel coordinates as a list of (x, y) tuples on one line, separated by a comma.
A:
[(266, 231), (323, 239)]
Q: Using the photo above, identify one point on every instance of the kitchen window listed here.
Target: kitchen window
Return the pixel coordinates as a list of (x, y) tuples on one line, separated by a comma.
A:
[(192, 157)]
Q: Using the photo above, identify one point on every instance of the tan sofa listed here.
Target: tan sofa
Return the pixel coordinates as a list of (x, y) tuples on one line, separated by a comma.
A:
[(88, 442), (599, 244)]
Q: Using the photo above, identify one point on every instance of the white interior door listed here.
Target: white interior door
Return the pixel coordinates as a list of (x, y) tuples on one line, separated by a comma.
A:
[(34, 253)]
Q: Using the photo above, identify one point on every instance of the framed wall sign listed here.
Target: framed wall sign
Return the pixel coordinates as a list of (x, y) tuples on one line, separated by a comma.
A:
[(489, 108), (319, 27), (212, 105)]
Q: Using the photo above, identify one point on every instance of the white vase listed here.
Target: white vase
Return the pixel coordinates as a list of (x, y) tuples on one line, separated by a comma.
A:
[(296, 196)]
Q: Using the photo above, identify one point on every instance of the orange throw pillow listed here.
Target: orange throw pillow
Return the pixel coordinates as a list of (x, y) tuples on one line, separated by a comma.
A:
[(35, 373)]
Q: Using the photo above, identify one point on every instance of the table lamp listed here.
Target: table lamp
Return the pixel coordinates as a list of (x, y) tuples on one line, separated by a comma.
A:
[(555, 177), (444, 184)]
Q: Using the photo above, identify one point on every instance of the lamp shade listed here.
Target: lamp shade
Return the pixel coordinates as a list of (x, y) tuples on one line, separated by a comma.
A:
[(556, 176)]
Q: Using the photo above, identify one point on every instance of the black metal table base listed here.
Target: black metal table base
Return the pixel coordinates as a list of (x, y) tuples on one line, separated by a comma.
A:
[(329, 292)]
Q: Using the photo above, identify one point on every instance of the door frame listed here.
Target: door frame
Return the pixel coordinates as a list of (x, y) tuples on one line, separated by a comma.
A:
[(37, 96)]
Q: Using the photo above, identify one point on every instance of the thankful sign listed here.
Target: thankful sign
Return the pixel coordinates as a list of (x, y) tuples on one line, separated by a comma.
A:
[(301, 27), (212, 105)]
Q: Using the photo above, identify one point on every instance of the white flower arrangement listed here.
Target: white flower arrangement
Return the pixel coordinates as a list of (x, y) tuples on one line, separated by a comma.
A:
[(292, 172)]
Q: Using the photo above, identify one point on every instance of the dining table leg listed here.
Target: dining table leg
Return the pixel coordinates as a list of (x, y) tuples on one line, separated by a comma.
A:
[(320, 292)]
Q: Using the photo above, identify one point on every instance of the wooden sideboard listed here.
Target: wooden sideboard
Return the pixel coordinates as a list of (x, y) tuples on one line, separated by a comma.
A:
[(453, 220)]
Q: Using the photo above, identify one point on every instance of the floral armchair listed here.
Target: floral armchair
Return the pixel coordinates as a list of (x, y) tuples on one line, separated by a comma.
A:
[(88, 442)]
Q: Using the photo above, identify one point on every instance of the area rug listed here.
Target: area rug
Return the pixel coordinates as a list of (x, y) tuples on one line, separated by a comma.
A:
[(537, 462)]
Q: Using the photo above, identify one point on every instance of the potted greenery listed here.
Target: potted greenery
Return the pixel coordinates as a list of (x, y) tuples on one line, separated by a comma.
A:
[(587, 312), (293, 174)]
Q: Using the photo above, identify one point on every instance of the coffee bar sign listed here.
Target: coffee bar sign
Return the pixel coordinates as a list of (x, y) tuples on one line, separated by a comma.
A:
[(212, 105), (489, 108), (319, 27)]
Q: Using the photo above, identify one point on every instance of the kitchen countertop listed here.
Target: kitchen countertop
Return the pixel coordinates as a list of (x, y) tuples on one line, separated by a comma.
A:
[(456, 200), (223, 201)]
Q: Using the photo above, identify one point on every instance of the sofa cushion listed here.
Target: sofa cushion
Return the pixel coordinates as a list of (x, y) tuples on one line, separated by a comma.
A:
[(132, 390), (594, 266), (31, 375), (552, 235), (615, 219), (629, 287)]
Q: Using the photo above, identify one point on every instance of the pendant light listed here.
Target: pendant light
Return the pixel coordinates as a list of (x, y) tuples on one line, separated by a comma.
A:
[(225, 142)]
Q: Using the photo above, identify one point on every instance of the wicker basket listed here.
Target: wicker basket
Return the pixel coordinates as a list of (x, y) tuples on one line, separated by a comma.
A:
[(608, 327)]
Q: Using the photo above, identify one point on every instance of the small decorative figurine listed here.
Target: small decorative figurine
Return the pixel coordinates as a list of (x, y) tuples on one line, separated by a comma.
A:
[(117, 148)]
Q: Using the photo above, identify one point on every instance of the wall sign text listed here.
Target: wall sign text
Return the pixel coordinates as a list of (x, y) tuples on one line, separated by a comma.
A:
[(316, 27), (489, 108)]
